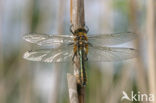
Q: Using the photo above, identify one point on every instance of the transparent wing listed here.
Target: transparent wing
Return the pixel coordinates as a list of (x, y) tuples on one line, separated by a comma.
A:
[(61, 54), (52, 41), (111, 39), (108, 54)]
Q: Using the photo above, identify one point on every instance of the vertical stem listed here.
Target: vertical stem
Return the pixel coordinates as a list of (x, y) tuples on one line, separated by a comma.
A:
[(77, 14), (78, 21), (72, 85), (57, 71), (151, 46), (140, 71), (2, 81)]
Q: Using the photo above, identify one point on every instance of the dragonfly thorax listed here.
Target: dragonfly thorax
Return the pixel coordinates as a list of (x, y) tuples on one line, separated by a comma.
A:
[(81, 44), (80, 36), (81, 39)]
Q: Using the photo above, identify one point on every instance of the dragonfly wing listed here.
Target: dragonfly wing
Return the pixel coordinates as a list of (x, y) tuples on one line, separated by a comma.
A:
[(52, 41), (111, 39), (36, 55), (61, 54), (108, 54)]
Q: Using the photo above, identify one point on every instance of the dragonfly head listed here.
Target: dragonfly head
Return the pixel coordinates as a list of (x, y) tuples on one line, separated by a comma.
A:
[(81, 37), (79, 30)]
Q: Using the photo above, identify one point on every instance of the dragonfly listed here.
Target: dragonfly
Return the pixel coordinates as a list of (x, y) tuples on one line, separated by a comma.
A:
[(80, 45)]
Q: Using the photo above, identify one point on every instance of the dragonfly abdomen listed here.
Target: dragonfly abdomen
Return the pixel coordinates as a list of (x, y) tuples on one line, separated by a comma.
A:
[(83, 77)]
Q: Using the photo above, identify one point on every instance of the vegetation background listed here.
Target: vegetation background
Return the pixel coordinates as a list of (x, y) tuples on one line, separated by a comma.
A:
[(23, 81)]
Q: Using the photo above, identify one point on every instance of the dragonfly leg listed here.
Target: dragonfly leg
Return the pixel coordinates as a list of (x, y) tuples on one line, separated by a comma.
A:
[(90, 44), (70, 43), (87, 29), (73, 57), (85, 57), (71, 29)]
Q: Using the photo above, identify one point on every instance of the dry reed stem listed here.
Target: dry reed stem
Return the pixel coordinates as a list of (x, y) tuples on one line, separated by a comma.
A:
[(78, 21), (72, 88), (57, 71), (121, 86), (25, 79), (140, 71), (3, 89), (151, 46)]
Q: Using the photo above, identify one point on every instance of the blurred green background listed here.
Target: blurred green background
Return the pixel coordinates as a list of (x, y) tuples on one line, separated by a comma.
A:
[(23, 81)]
